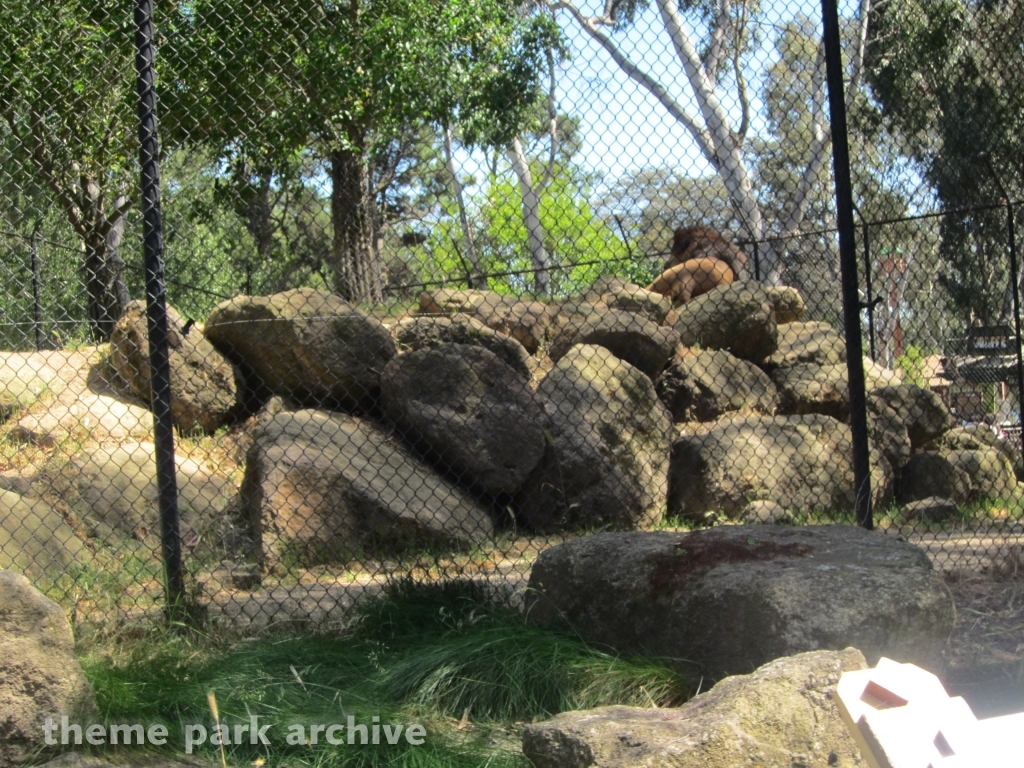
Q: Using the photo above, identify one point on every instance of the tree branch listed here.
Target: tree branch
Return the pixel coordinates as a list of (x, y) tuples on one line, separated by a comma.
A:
[(36, 149), (652, 86), (714, 55)]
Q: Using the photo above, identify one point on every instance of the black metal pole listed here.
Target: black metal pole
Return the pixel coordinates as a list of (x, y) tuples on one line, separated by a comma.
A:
[(36, 309), (757, 263), (1015, 277), (156, 304), (848, 262), (869, 299)]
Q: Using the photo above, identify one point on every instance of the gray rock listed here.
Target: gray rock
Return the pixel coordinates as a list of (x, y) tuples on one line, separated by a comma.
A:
[(469, 410), (932, 509), (706, 384), (633, 298), (324, 487), (766, 512), (888, 433), (989, 470), (813, 388), (630, 337), (35, 539), (782, 714), (800, 462), (922, 410), (115, 490), (601, 287), (427, 332), (525, 321), (962, 475), (90, 416), (19, 481), (975, 436), (606, 460), (39, 674), (788, 303), (307, 345), (814, 342), (930, 473), (739, 317), (204, 393), (725, 600)]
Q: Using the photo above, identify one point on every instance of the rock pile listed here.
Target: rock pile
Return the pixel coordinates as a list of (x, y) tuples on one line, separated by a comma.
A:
[(605, 410)]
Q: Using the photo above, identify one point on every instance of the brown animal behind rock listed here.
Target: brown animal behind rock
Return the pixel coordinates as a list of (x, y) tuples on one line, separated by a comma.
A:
[(692, 278), (703, 242)]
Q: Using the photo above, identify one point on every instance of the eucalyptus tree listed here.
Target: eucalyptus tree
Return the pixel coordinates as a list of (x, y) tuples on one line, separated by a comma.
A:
[(341, 81), (712, 41), (67, 102)]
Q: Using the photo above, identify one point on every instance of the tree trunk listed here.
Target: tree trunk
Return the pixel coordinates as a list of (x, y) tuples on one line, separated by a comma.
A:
[(531, 217), (355, 263), (476, 277), (104, 278)]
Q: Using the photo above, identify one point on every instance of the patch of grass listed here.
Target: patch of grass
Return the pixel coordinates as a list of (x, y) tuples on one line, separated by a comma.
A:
[(447, 656)]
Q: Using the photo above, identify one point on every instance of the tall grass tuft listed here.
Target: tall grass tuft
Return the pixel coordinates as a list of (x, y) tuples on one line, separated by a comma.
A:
[(434, 655)]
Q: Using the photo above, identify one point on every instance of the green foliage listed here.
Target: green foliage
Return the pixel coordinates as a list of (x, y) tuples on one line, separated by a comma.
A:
[(950, 75), (911, 362), (574, 235), (417, 654)]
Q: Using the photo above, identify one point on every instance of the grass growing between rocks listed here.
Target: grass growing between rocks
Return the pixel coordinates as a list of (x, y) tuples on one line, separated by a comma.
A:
[(447, 656)]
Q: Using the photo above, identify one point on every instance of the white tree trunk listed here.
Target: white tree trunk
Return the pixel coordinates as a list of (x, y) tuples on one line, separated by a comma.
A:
[(531, 217), (713, 133), (476, 276)]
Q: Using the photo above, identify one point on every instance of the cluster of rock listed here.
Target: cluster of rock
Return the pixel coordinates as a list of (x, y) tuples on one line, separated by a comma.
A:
[(607, 410)]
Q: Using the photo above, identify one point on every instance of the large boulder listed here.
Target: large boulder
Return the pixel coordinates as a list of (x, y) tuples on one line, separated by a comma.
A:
[(524, 320), (203, 388), (782, 714), (922, 410), (35, 539), (91, 416), (39, 674), (470, 411), (725, 600), (888, 433), (430, 331), (738, 317), (975, 436), (702, 385), (630, 337), (823, 388), (801, 462), (930, 473), (633, 298), (606, 459), (324, 487), (115, 491), (812, 388), (788, 303), (814, 342), (306, 345), (990, 472)]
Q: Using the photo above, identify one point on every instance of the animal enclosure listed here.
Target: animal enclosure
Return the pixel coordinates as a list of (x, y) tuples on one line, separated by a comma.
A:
[(405, 251)]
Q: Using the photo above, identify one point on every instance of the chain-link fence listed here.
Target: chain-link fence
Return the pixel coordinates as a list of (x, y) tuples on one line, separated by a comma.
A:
[(452, 283)]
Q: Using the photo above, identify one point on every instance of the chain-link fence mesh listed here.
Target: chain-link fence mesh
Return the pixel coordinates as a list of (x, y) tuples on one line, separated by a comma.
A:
[(453, 283)]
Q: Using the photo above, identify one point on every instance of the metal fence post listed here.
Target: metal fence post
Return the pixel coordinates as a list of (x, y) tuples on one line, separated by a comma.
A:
[(37, 317), (1015, 277), (848, 262), (156, 304)]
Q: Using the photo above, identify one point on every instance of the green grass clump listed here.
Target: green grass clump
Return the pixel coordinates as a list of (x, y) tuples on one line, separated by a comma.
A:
[(439, 655)]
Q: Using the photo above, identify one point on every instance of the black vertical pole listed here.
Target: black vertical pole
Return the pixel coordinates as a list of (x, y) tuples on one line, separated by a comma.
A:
[(848, 262), (1015, 277), (757, 263), (37, 320), (156, 304), (870, 297)]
